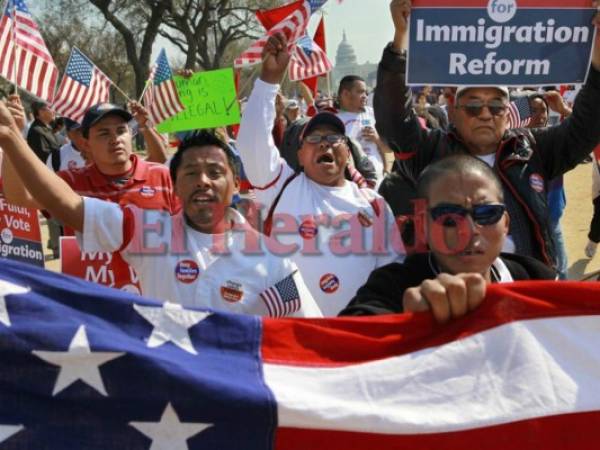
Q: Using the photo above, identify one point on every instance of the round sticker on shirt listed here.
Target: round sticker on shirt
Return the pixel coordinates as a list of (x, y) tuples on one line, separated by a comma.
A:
[(308, 229), (536, 182), (147, 191), (232, 292), (329, 283), (187, 271)]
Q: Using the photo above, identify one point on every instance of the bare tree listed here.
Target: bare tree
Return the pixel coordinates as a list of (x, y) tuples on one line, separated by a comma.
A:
[(205, 30)]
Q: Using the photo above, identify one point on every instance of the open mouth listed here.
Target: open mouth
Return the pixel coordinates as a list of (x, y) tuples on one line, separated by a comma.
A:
[(203, 199), (471, 253), (325, 158)]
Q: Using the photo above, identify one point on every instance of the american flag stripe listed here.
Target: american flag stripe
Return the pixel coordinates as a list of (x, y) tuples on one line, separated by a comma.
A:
[(308, 63), (23, 53), (161, 97), (292, 26), (83, 85)]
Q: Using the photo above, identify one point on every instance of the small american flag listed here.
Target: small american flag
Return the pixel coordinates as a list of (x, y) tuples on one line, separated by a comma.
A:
[(23, 52), (282, 299), (293, 26), (83, 85), (308, 60), (519, 112), (161, 97)]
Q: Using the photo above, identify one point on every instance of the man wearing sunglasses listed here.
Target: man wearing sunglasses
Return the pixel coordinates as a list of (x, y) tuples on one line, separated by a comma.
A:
[(525, 160), (467, 225), (335, 232)]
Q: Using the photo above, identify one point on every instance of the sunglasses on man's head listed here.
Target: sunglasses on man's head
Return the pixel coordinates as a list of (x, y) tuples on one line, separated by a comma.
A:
[(330, 139), (486, 214), (475, 107)]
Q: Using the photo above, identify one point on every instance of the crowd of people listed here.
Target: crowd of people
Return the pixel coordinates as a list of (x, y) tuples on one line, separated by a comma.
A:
[(406, 200)]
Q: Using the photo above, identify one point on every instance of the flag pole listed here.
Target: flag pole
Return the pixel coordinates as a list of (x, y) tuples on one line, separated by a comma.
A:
[(245, 85), (120, 91), (144, 91), (14, 49)]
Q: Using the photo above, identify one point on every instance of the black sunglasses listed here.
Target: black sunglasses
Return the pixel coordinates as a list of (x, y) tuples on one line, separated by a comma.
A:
[(330, 139), (475, 107), (487, 214)]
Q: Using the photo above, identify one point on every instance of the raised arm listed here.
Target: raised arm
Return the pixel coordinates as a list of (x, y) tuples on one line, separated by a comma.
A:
[(14, 189), (564, 146), (50, 191), (155, 145), (262, 161), (395, 118)]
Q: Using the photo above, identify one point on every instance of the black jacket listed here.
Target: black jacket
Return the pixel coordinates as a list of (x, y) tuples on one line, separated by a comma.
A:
[(383, 291), (42, 141), (522, 156)]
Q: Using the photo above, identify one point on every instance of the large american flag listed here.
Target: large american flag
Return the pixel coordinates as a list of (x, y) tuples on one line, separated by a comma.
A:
[(519, 112), (293, 26), (161, 98), (23, 52), (83, 85), (308, 60), (89, 367)]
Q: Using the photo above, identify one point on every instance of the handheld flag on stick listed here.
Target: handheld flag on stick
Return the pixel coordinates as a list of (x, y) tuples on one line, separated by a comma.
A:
[(293, 26), (24, 57), (83, 85), (160, 93)]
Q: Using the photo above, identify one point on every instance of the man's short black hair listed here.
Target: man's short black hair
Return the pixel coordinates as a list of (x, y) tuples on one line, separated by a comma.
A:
[(348, 82), (457, 164), (202, 138)]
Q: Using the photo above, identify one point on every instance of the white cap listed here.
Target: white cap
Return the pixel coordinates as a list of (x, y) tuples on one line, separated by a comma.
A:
[(462, 89)]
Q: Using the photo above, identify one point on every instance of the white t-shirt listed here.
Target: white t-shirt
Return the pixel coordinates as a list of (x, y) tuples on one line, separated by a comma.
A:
[(179, 264), (69, 158), (316, 217), (355, 122)]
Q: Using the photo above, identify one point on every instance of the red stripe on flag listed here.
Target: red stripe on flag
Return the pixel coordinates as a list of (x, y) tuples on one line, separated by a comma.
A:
[(356, 340), (567, 431)]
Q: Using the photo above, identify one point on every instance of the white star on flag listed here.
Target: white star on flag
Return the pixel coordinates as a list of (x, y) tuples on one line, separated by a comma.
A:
[(171, 324), (170, 433), (7, 431), (78, 363), (7, 288)]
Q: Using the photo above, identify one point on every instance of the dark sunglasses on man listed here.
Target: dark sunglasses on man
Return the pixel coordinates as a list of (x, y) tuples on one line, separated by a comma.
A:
[(474, 108), (448, 214)]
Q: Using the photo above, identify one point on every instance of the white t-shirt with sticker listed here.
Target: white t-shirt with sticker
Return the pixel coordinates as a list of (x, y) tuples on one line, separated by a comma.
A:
[(230, 272), (333, 234), (69, 158), (355, 122)]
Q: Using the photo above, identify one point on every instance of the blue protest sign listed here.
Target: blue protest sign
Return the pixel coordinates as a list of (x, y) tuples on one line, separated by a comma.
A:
[(487, 42)]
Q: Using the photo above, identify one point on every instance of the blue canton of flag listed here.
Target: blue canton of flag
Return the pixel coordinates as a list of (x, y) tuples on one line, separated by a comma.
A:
[(307, 44), (88, 367), (80, 69), (282, 299), (160, 96), (83, 85), (316, 4)]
